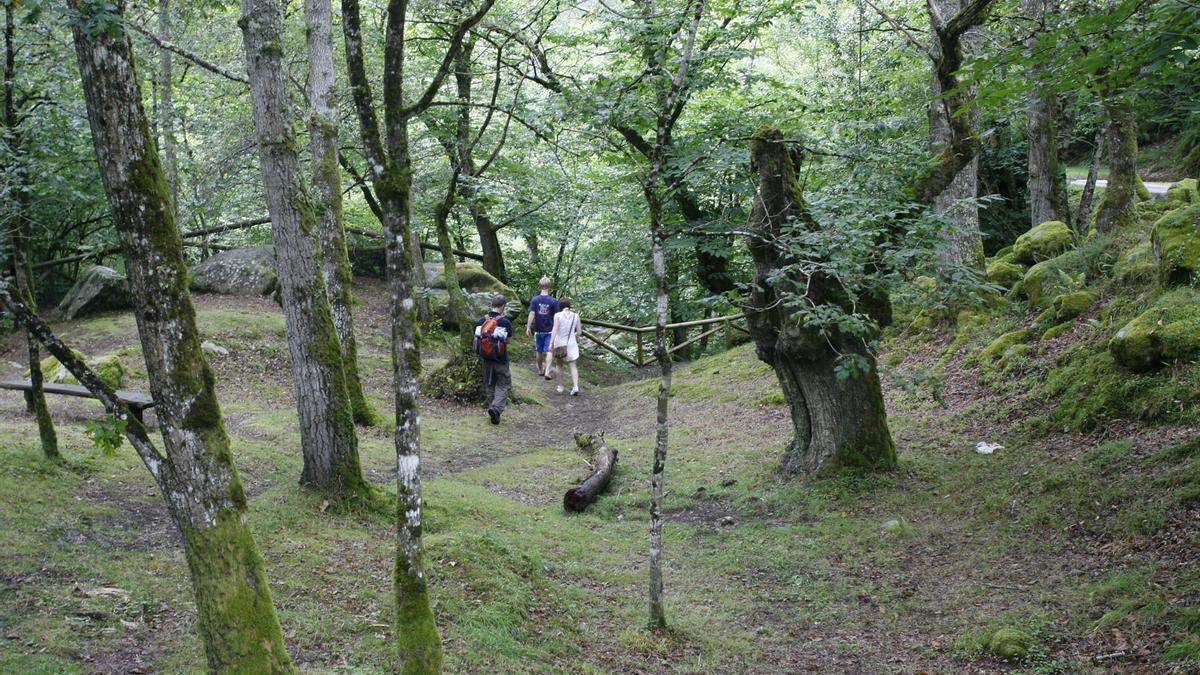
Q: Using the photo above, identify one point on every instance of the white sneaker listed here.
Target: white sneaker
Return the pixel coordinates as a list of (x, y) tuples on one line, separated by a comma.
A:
[(574, 392), (559, 388)]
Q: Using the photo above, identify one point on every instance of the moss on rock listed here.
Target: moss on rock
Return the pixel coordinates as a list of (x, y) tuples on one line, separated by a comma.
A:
[(1043, 242), (998, 347), (1010, 644), (1176, 242), (1004, 274), (1071, 305), (474, 279), (1042, 282), (1186, 191), (1055, 331), (1168, 331), (1143, 193), (1136, 265), (108, 368)]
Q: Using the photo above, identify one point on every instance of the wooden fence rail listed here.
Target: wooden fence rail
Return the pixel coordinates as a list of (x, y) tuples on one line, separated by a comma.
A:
[(639, 359)]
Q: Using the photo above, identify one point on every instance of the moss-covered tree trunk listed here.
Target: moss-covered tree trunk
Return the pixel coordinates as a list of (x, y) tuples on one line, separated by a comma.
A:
[(457, 303), (327, 184), (196, 474), (962, 243), (838, 423), (1117, 205), (327, 435), (166, 102), (35, 398), (1046, 184)]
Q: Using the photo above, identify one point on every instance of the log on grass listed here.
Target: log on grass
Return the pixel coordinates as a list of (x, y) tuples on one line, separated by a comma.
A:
[(579, 497)]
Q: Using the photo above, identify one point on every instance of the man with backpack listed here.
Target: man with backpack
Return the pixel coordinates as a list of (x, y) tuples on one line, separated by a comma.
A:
[(492, 334)]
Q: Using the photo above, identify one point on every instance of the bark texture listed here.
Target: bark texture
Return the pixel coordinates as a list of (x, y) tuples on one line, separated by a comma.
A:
[(838, 423), (962, 244), (1046, 181), (1083, 218), (35, 398), (166, 102), (327, 186), (1117, 206), (604, 462), (327, 436), (196, 474)]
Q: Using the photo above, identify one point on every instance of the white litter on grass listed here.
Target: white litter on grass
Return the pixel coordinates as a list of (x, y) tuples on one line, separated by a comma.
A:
[(214, 348), (985, 448)]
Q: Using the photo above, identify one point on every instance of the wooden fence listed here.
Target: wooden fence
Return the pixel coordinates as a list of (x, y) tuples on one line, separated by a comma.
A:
[(644, 347)]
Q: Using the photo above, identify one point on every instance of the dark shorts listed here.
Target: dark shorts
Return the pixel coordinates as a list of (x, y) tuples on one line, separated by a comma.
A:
[(542, 341)]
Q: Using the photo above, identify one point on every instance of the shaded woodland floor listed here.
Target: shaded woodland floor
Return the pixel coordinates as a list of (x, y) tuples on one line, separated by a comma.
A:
[(1063, 536)]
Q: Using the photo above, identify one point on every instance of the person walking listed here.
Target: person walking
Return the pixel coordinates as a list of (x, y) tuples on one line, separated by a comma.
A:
[(566, 332), (542, 309), (492, 334)]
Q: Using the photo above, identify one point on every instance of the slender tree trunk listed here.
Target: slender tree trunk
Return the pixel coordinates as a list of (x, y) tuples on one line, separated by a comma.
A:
[(35, 398), (166, 103), (838, 423), (665, 120), (327, 436), (535, 254), (1120, 196), (456, 302), (418, 643), (327, 183), (1045, 182), (196, 476), (1083, 218)]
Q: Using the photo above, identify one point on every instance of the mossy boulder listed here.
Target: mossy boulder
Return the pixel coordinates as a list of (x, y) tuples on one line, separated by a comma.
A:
[(1168, 331), (1186, 191), (1055, 331), (1042, 282), (1137, 264), (108, 368), (238, 271), (1010, 644), (998, 347), (1004, 274), (1043, 242), (478, 304), (474, 279), (1176, 242), (98, 289), (1068, 306)]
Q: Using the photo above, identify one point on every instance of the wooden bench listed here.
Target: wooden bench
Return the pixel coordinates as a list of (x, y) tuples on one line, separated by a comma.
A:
[(137, 401)]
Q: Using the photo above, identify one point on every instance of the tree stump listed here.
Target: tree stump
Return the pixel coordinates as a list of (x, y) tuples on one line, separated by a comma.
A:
[(579, 497)]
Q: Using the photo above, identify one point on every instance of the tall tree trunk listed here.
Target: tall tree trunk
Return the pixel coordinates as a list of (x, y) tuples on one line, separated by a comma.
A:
[(535, 254), (327, 183), (196, 476), (1083, 218), (489, 240), (327, 436), (669, 97), (418, 643), (456, 302), (35, 398), (166, 103), (962, 244), (1117, 206), (1045, 180), (838, 423)]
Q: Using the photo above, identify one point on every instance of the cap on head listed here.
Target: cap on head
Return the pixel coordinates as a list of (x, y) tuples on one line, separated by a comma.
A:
[(544, 284), (499, 302)]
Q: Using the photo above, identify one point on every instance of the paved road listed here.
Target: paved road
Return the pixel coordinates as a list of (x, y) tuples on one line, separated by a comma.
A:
[(1154, 188)]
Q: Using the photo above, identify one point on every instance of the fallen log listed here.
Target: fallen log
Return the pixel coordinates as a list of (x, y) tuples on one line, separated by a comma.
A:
[(579, 497)]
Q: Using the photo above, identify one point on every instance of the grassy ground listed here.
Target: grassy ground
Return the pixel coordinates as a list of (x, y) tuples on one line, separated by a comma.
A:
[(1086, 543)]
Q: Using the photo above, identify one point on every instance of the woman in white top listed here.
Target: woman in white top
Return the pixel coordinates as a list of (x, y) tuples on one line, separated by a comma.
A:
[(565, 343)]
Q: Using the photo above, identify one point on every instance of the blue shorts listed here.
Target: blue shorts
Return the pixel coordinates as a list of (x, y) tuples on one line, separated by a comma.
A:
[(542, 342)]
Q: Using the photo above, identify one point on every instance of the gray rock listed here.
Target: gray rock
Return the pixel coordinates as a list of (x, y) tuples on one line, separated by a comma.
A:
[(98, 289), (478, 304), (239, 271), (214, 348)]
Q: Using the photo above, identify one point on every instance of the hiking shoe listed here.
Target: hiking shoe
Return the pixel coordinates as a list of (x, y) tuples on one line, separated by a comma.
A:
[(574, 392), (495, 415), (559, 389)]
